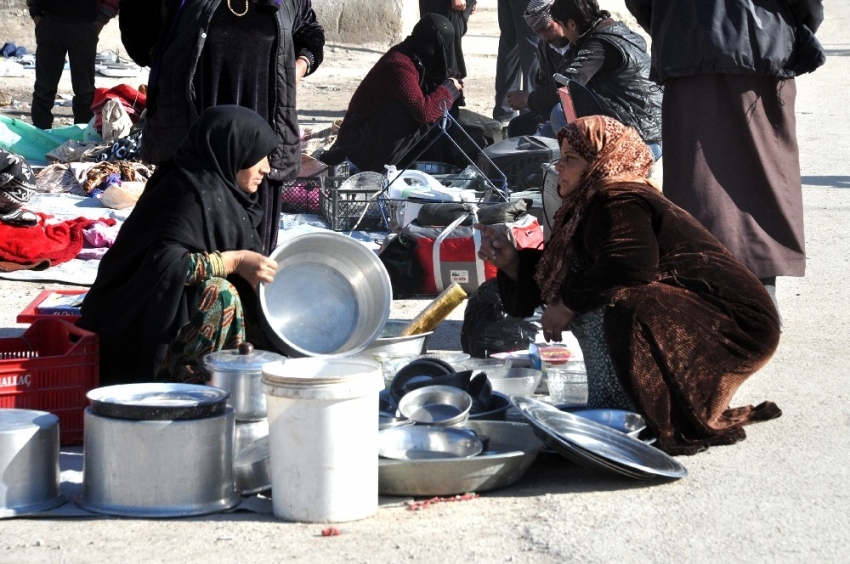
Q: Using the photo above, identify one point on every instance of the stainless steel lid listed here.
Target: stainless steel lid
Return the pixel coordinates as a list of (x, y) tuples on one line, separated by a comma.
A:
[(242, 359)]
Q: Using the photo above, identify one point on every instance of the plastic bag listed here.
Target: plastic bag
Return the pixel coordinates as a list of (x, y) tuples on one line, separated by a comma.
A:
[(487, 329), (406, 274)]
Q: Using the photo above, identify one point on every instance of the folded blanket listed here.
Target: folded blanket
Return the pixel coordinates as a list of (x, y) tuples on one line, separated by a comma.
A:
[(42, 245)]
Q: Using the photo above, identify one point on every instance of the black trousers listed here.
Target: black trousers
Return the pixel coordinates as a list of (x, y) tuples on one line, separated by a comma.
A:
[(54, 39), (516, 60)]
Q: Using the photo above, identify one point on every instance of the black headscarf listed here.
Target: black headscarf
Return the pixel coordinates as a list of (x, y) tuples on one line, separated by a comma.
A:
[(432, 41), (190, 205)]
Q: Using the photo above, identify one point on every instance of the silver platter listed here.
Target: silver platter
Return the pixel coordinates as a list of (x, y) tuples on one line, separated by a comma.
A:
[(597, 446)]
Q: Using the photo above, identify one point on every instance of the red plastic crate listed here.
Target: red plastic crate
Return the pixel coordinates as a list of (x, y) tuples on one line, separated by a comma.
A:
[(50, 368), (30, 313)]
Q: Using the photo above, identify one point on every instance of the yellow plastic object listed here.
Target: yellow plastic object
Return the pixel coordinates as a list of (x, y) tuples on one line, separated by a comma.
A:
[(436, 311)]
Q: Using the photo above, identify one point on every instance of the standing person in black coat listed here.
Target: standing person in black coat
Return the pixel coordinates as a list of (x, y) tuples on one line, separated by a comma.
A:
[(66, 27), (516, 60), (457, 12), (205, 53), (730, 136)]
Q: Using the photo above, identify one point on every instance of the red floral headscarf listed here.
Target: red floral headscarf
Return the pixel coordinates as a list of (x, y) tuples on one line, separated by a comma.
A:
[(615, 154)]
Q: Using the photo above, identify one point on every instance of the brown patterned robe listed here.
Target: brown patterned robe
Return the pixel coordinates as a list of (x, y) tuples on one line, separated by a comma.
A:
[(687, 323)]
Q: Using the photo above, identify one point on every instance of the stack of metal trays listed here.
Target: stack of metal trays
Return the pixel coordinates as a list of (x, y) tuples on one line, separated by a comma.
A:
[(597, 446)]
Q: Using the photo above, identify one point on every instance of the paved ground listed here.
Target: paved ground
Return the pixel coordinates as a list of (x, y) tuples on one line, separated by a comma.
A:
[(780, 496)]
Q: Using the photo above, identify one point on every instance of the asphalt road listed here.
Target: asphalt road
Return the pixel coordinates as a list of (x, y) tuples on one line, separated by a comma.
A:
[(779, 496)]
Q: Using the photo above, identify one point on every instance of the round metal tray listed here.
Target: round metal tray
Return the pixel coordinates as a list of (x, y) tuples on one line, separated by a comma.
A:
[(597, 446)]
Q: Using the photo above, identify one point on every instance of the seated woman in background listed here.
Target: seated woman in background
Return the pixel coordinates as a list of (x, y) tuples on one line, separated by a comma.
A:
[(399, 99), (669, 322), (179, 281)]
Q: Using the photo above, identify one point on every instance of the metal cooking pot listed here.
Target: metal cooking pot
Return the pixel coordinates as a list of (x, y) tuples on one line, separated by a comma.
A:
[(157, 468), (239, 371), (29, 462)]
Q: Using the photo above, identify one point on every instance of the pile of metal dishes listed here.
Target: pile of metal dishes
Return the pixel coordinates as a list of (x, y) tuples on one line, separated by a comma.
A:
[(158, 450), (427, 371), (240, 372), (331, 296), (29, 462), (427, 410)]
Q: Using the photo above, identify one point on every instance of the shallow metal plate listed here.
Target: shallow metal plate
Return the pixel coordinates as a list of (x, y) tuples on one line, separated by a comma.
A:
[(513, 448), (603, 445), (424, 442)]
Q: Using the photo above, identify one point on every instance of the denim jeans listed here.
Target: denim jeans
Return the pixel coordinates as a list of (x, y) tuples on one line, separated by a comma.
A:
[(558, 121)]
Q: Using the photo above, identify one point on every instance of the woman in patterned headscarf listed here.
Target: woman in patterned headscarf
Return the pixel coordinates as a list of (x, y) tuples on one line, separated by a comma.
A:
[(669, 322)]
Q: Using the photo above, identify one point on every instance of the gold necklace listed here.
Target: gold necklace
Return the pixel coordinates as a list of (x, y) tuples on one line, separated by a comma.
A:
[(234, 12)]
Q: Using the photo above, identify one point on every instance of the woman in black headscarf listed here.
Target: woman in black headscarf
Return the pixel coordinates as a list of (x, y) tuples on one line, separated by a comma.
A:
[(400, 97), (178, 282)]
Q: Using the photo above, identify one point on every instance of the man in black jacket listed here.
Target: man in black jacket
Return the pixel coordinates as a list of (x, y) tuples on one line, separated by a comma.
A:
[(553, 56), (66, 27), (607, 58)]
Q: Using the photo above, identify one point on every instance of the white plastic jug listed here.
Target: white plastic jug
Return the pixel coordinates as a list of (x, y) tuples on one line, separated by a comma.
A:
[(323, 437)]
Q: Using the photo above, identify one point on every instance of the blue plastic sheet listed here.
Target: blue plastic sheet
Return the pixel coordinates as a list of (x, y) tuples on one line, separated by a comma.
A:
[(32, 143)]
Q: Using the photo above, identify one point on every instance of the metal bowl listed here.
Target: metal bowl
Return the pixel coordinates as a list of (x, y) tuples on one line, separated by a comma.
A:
[(389, 341), (421, 442), (331, 296), (513, 448), (436, 405), (251, 469)]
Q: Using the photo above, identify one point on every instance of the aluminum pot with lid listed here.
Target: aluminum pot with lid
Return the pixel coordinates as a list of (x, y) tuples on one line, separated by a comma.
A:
[(239, 371)]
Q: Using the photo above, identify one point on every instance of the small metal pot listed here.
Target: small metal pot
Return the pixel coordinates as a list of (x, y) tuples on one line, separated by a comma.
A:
[(29, 462), (239, 371)]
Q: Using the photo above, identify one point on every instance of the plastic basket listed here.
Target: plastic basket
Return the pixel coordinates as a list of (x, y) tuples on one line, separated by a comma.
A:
[(50, 368), (301, 195), (342, 209), (30, 313)]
